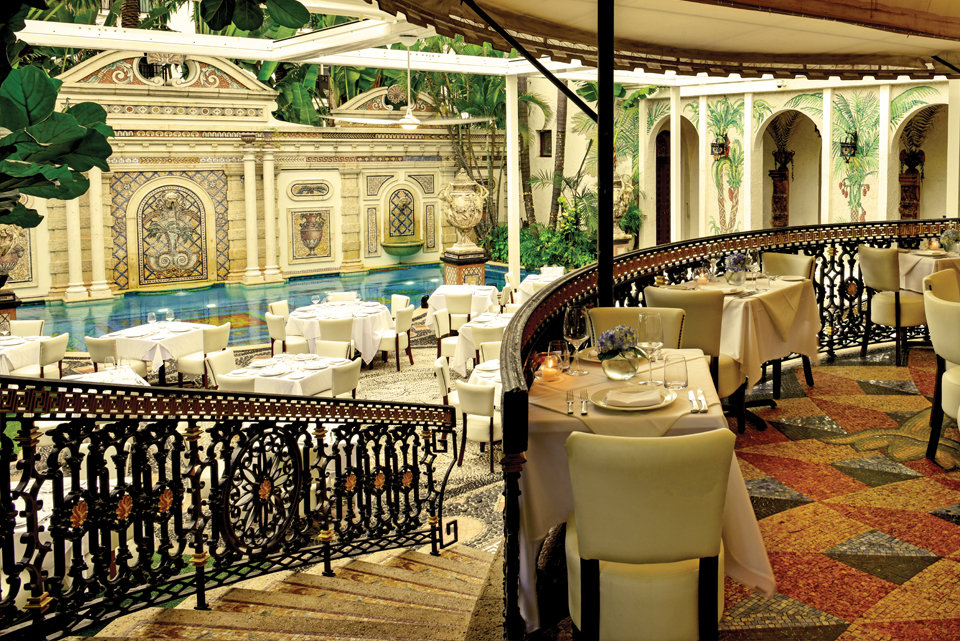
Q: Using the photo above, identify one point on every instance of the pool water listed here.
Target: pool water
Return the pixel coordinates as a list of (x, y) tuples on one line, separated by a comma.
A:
[(243, 307)]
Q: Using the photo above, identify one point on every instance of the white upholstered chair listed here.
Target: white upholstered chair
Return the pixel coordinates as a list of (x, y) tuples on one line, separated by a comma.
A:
[(777, 264), (214, 340), (237, 384), (441, 368), (446, 342), (943, 319), (218, 364), (945, 284), (332, 349), (26, 327), (280, 308), (100, 348), (337, 329), (483, 335), (512, 308), (886, 304), (490, 351), (52, 351), (481, 421), (398, 302), (278, 334), (346, 377), (460, 309), (398, 338)]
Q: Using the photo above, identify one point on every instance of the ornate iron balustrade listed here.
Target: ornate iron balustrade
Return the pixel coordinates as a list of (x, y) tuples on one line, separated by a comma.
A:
[(125, 497), (840, 297)]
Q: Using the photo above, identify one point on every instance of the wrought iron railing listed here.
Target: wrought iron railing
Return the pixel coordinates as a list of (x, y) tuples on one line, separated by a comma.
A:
[(840, 297), (121, 497)]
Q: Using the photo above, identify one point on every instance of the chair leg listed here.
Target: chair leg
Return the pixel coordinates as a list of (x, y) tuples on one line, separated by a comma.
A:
[(899, 342), (463, 441), (410, 348), (807, 370), (397, 350), (866, 325), (179, 379), (491, 445), (707, 597), (590, 598), (936, 412), (777, 372)]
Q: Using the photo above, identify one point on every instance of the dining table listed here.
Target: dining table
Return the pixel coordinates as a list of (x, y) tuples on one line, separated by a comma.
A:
[(116, 376), (370, 319), (19, 351), (545, 490), (291, 374), (466, 348), (918, 264), (484, 298), (159, 342)]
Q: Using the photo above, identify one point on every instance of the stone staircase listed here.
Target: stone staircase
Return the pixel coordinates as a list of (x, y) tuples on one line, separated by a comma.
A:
[(398, 594)]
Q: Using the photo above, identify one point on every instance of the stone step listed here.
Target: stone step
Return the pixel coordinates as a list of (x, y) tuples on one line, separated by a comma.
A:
[(376, 573), (413, 561), (464, 554)]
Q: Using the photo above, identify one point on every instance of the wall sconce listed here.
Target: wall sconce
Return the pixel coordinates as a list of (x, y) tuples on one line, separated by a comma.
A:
[(848, 146), (720, 148)]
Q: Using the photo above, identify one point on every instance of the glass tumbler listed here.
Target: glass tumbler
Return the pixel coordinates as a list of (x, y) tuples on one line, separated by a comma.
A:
[(562, 349), (675, 372)]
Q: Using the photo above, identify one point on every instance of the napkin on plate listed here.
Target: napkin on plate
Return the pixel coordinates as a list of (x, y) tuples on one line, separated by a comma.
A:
[(633, 399)]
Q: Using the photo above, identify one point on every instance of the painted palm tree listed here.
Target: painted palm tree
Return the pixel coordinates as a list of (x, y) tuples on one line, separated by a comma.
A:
[(860, 116), (761, 109), (722, 117)]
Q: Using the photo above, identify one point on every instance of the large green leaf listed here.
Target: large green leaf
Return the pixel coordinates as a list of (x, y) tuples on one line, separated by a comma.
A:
[(21, 216), (60, 183), (218, 14), (289, 13), (32, 91), (58, 129), (247, 15), (11, 115), (92, 152), (298, 104), (18, 168)]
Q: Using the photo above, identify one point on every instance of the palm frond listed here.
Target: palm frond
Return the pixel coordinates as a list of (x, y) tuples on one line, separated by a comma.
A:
[(657, 111), (761, 109), (812, 103), (913, 97), (915, 131)]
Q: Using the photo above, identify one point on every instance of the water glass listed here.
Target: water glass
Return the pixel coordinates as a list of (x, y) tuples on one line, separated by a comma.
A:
[(560, 348), (109, 363), (169, 315), (151, 318), (315, 299), (763, 282), (650, 339), (575, 324), (675, 372)]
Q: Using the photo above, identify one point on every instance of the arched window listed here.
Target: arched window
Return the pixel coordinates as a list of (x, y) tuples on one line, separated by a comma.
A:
[(401, 214)]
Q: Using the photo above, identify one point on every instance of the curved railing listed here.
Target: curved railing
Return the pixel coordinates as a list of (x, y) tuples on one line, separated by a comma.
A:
[(123, 497), (840, 297)]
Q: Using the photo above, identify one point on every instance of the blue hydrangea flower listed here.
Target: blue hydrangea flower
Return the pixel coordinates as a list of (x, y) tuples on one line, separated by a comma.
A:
[(736, 262), (618, 340)]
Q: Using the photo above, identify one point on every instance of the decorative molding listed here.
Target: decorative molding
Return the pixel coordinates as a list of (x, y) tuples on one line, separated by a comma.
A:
[(177, 160), (120, 72), (310, 190), (184, 110), (426, 182), (373, 228), (374, 183), (290, 135), (430, 225)]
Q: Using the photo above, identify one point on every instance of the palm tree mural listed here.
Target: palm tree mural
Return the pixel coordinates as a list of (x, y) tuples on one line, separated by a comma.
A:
[(859, 116), (722, 117)]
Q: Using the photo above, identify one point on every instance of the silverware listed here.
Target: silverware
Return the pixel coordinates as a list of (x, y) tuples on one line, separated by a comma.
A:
[(694, 408), (583, 402), (747, 294), (703, 400), (569, 401)]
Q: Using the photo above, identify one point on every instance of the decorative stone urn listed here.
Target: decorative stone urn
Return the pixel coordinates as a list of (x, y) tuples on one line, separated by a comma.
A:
[(464, 199), (311, 231), (623, 195)]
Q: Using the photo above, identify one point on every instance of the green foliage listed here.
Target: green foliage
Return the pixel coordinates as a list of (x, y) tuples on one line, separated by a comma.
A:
[(496, 242), (626, 124), (248, 15), (632, 221), (44, 151), (761, 109), (723, 117), (656, 111), (572, 244), (812, 103), (909, 99), (860, 115)]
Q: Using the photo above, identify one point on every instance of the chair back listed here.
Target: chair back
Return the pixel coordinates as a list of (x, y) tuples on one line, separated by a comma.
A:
[(483, 335), (100, 348), (404, 319), (476, 399), (441, 320), (880, 268), (219, 363), (280, 308), (346, 377), (26, 327), (649, 500), (333, 349), (776, 264), (398, 302), (511, 279), (943, 319), (489, 351), (216, 338), (53, 349), (341, 296), (704, 313), (276, 326), (512, 308), (336, 329), (507, 294), (442, 370), (604, 318), (237, 384), (459, 303), (944, 284)]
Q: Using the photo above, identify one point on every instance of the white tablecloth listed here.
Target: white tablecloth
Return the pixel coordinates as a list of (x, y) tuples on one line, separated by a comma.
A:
[(466, 349), (118, 376), (22, 354), (484, 297), (313, 383), (161, 344), (914, 268), (546, 496), (369, 321), (527, 289)]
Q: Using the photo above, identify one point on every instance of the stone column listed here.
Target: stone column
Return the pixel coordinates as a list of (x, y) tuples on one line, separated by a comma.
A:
[(513, 178), (75, 288), (952, 208), (272, 271), (350, 226), (252, 274), (676, 167), (98, 270)]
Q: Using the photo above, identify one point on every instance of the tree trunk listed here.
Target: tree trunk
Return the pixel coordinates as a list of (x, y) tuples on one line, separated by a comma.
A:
[(559, 152), (130, 14), (524, 117)]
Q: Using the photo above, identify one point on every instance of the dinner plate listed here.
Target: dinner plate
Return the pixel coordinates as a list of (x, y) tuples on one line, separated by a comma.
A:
[(489, 366), (262, 363), (732, 291), (238, 372), (590, 356), (930, 252), (315, 365), (598, 397), (296, 376), (793, 279), (138, 332), (305, 357), (274, 371)]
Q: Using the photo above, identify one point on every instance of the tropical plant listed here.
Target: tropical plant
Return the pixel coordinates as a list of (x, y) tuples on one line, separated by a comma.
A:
[(496, 242), (657, 111), (858, 116), (811, 103), (723, 117), (559, 153), (626, 129), (523, 117), (248, 15), (694, 109), (909, 99)]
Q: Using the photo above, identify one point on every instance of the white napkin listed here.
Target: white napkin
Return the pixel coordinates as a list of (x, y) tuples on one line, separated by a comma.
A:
[(633, 399)]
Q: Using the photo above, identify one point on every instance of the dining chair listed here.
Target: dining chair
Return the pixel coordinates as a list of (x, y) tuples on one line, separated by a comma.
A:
[(446, 341), (398, 302), (943, 319), (342, 296), (277, 328), (399, 337), (26, 327), (346, 377), (886, 303), (702, 325), (52, 351), (644, 554), (511, 278), (214, 340), (337, 329), (460, 309), (218, 364), (237, 384), (280, 308), (777, 264), (944, 283), (100, 348), (604, 318), (490, 351), (483, 335), (332, 349), (511, 308), (507, 295), (481, 420), (441, 368)]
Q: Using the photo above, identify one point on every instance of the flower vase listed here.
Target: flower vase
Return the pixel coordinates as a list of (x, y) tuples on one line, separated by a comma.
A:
[(737, 279), (620, 367)]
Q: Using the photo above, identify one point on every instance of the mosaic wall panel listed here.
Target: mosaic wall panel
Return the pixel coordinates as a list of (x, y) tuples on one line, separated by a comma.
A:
[(449, 274), (123, 185), (425, 181), (430, 223), (400, 216), (210, 77), (172, 236), (115, 73), (186, 110), (473, 275), (310, 190), (374, 183), (311, 235), (373, 242)]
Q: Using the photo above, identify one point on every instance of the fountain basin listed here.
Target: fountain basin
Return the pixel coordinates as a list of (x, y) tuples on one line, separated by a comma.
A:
[(403, 249)]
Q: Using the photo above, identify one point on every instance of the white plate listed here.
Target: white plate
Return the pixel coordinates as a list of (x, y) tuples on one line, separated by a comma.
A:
[(793, 279), (590, 356), (296, 376), (315, 366), (930, 252), (489, 366), (732, 291), (598, 398), (274, 371), (137, 332), (238, 372), (262, 363), (305, 357)]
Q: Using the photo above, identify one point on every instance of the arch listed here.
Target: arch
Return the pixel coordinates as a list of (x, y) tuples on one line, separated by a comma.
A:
[(791, 186), (919, 192)]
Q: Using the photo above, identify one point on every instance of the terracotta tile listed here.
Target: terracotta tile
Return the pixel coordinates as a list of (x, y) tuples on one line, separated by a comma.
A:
[(923, 530), (826, 383), (931, 595), (816, 480), (869, 373), (810, 528), (853, 418)]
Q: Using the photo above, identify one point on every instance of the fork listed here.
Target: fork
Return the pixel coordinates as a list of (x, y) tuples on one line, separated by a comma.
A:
[(569, 401), (583, 402)]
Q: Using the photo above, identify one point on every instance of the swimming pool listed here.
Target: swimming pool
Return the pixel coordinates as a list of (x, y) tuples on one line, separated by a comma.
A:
[(244, 307)]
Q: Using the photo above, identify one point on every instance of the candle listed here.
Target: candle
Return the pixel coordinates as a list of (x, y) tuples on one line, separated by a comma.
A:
[(549, 373), (934, 243), (702, 279)]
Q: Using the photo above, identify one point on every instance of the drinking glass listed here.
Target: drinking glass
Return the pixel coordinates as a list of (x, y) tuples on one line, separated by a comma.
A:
[(315, 299), (169, 315), (560, 348), (675, 372), (763, 282), (576, 332), (650, 339), (109, 363), (151, 318), (713, 268)]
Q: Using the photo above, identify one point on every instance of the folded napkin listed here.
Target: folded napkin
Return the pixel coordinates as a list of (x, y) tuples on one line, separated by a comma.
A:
[(781, 305), (633, 399)]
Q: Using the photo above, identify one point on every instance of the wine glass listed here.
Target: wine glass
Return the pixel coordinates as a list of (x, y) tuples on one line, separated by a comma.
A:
[(650, 339), (169, 316), (151, 318), (315, 299), (713, 268), (575, 331)]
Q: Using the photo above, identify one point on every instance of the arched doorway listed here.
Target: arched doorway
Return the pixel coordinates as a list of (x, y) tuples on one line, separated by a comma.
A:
[(919, 171), (791, 170), (663, 187)]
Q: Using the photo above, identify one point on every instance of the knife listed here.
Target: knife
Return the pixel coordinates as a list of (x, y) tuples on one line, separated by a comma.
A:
[(694, 408), (703, 400)]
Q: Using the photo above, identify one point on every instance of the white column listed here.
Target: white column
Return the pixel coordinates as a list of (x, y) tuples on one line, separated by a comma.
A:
[(746, 214), (884, 211), (98, 270), (271, 272), (75, 289), (252, 274), (704, 167), (513, 177), (952, 209), (826, 157), (676, 167)]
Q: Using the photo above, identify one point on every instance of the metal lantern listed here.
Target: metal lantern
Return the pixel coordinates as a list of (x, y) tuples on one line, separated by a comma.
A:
[(720, 148), (848, 146)]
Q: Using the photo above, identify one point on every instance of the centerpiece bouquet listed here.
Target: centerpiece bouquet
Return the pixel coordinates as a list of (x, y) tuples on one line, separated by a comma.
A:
[(736, 265), (949, 239), (618, 352)]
